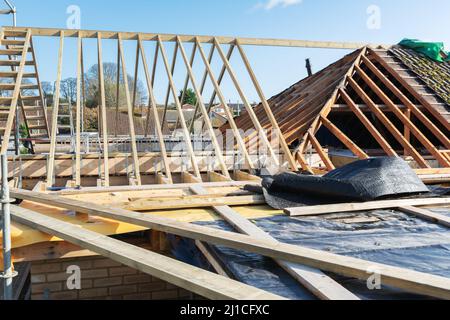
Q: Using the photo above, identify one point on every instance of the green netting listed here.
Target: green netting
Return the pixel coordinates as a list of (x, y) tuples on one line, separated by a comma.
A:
[(433, 50)]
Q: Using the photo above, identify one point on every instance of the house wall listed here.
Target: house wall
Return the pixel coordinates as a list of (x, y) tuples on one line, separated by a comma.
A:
[(101, 279)]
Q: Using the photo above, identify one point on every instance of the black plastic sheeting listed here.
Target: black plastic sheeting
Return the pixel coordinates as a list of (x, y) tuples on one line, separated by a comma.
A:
[(388, 237), (365, 180)]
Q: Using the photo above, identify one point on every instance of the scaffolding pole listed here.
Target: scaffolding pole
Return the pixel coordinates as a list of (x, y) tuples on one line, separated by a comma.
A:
[(8, 273)]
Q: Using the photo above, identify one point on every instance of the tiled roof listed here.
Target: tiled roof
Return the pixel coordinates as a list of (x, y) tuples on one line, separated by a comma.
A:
[(435, 74)]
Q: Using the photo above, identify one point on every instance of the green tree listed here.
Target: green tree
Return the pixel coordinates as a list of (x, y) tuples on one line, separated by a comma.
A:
[(189, 97)]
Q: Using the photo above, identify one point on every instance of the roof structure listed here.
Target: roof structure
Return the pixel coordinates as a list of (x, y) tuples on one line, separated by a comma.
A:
[(394, 100)]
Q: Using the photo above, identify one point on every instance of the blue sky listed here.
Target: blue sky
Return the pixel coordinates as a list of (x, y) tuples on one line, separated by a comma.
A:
[(277, 68)]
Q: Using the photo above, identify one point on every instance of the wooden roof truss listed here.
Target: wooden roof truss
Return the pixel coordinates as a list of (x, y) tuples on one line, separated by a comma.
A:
[(367, 82)]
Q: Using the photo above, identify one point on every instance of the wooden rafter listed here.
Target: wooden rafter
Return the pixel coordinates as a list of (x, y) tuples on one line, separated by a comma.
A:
[(353, 147), (388, 124), (273, 121), (185, 130), (411, 90), (172, 72), (406, 122), (56, 96), (78, 117), (48, 32), (209, 126), (368, 125), (134, 151), (153, 108), (103, 111), (262, 134), (221, 75), (408, 103), (228, 112)]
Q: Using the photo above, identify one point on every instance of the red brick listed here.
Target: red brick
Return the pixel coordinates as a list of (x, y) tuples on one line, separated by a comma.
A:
[(60, 276), (65, 295), (39, 296), (121, 290), (52, 287), (45, 268), (93, 293), (95, 273), (86, 284), (38, 278), (170, 286), (165, 295), (182, 293), (107, 282), (138, 296), (83, 264), (120, 271), (140, 278), (105, 263), (153, 286)]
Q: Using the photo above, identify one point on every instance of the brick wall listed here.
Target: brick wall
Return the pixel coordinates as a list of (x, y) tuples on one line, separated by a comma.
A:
[(101, 278)]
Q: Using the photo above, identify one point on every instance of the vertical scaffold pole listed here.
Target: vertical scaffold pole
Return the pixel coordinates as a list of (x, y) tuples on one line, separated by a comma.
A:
[(8, 273)]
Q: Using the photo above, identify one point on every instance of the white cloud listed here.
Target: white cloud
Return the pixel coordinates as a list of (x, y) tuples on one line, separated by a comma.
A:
[(271, 4)]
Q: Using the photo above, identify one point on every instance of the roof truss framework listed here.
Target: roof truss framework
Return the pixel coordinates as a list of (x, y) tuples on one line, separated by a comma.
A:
[(368, 82), (278, 152)]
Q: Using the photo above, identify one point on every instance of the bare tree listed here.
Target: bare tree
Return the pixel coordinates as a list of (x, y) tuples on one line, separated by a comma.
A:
[(69, 89), (110, 78)]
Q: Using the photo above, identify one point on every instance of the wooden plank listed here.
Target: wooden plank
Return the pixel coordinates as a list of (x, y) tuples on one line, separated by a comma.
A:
[(262, 134), (187, 203), (218, 150), (221, 74), (186, 134), (49, 32), (314, 280), (172, 71), (136, 76), (316, 145), (228, 112), (102, 103), (363, 206), (207, 253), (185, 87), (54, 131), (78, 117), (265, 104), (181, 186), (427, 215), (409, 280), (353, 147), (137, 172), (153, 108), (180, 274)]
